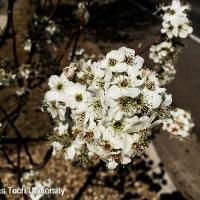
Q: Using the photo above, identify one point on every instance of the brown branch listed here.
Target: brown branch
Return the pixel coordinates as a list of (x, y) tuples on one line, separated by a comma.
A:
[(89, 180)]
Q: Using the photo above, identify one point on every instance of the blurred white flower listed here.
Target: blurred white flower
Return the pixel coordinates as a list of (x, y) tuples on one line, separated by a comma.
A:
[(161, 51), (57, 147), (27, 45), (179, 124)]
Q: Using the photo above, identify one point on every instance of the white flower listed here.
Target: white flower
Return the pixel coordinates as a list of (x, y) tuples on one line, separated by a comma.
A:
[(77, 97), (152, 98), (174, 10), (96, 108), (123, 86), (71, 151), (57, 147), (58, 86), (82, 12), (167, 74), (113, 139), (51, 28), (62, 128), (27, 45), (161, 51), (176, 25), (128, 150), (112, 164), (56, 109), (168, 99), (69, 71)]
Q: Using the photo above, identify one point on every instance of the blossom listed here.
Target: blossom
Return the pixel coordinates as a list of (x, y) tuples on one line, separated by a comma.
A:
[(166, 74), (71, 151), (176, 26), (179, 124), (77, 97), (56, 109), (180, 28), (82, 12), (27, 45), (175, 20), (62, 128), (161, 51), (174, 10), (107, 109), (56, 147)]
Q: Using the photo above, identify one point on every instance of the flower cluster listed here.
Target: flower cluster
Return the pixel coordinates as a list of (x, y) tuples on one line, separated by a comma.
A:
[(44, 33), (30, 180), (166, 73), (24, 71), (180, 123), (7, 75), (161, 52), (175, 27), (175, 20), (105, 110)]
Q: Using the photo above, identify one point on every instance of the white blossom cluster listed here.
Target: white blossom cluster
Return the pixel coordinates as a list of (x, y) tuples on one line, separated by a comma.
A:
[(180, 123), (30, 179), (175, 27), (6, 77), (166, 73), (175, 20), (161, 52), (24, 71), (27, 45), (50, 33), (105, 110)]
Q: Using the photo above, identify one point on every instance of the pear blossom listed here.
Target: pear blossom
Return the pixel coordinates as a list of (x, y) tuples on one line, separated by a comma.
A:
[(161, 51), (175, 20), (176, 26), (179, 124), (106, 110), (174, 10), (56, 147)]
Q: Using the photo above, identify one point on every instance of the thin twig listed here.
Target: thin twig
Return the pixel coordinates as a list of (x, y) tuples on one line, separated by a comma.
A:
[(89, 180), (8, 159)]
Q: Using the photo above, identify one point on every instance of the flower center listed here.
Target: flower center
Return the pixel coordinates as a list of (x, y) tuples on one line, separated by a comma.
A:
[(124, 83), (89, 135), (79, 97), (97, 104), (128, 60), (151, 85), (59, 86), (172, 12), (118, 125), (140, 103), (101, 83), (125, 103), (112, 62), (106, 145)]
